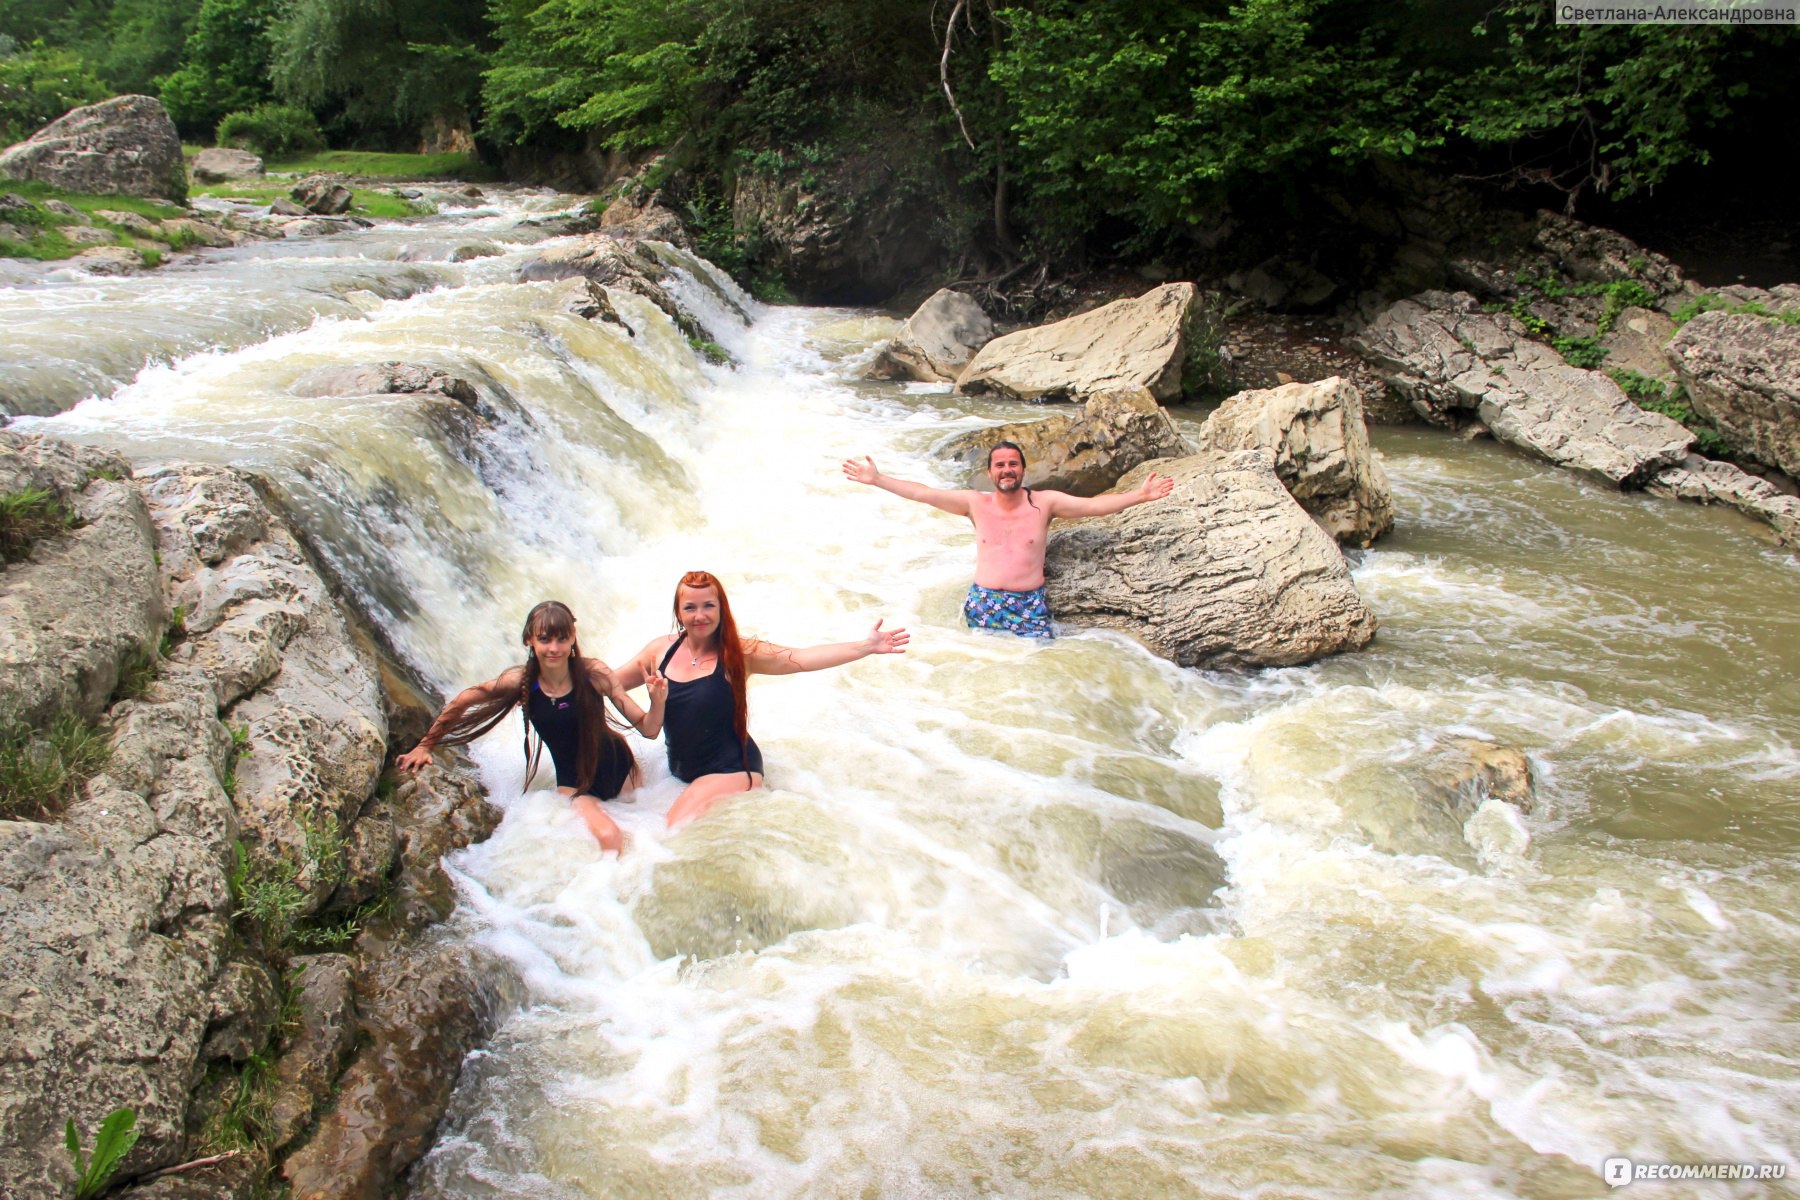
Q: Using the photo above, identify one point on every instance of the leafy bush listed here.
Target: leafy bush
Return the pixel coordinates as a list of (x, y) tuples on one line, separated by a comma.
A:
[(1654, 396), (39, 84), (272, 130)]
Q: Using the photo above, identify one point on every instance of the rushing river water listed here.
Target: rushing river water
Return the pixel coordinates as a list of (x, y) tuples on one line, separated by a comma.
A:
[(967, 941)]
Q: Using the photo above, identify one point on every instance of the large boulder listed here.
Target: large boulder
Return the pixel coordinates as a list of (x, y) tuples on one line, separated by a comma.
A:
[(126, 146), (1451, 359), (1227, 571), (420, 1014), (216, 164), (87, 599), (1083, 454), (1742, 373), (611, 261), (323, 195), (1322, 452), (936, 342), (1128, 343)]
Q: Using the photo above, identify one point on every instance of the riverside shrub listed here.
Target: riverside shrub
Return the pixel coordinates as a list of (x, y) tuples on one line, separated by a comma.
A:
[(272, 130)]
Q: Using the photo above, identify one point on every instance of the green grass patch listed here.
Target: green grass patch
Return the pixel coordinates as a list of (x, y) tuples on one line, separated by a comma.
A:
[(42, 770), (1584, 352), (37, 193), (370, 164), (1653, 395), (28, 515), (1713, 302), (245, 1119)]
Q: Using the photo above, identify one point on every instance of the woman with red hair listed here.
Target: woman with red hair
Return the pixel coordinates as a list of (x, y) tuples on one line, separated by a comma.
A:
[(706, 662), (560, 694)]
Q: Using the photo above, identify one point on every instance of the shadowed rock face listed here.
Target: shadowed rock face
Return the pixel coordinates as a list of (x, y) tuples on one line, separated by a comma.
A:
[(1321, 449), (1227, 571), (936, 342), (1448, 358), (1128, 343), (1083, 454), (125, 146), (1742, 373)]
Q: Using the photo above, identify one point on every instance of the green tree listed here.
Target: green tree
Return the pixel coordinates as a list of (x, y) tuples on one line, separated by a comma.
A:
[(224, 65), (39, 84), (381, 67)]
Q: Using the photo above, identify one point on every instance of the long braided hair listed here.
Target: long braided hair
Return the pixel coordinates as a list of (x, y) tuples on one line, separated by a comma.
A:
[(731, 648), (599, 742)]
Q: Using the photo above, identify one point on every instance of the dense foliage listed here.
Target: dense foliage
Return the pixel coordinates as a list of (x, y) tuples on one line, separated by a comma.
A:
[(1028, 125)]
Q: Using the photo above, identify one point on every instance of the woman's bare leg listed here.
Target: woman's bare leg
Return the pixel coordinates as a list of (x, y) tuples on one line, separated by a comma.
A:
[(708, 790), (605, 830)]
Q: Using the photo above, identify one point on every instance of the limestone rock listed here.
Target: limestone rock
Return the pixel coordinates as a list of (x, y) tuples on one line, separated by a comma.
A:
[(88, 235), (1139, 342), (1083, 454), (86, 599), (109, 260), (641, 214), (384, 379), (936, 342), (420, 1014), (1742, 373), (1466, 771), (203, 233), (323, 195), (243, 1011), (318, 1050), (125, 146), (1447, 357), (134, 223), (217, 164), (850, 232), (1227, 571), (1636, 341), (281, 206), (1709, 481), (607, 261), (1322, 452)]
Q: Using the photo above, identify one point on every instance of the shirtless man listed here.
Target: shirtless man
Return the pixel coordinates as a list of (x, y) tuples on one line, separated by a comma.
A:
[(1012, 523)]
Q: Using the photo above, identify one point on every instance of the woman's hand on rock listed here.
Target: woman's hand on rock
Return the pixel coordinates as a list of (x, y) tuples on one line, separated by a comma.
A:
[(416, 759)]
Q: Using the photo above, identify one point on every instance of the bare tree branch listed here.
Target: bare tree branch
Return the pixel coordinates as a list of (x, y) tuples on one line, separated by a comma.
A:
[(944, 70)]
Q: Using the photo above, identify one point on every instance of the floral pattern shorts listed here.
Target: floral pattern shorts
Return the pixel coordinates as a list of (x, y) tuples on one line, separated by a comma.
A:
[(1022, 613)]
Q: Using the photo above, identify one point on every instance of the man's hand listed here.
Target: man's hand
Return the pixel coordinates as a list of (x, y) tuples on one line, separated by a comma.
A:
[(861, 472), (886, 641), (1155, 487)]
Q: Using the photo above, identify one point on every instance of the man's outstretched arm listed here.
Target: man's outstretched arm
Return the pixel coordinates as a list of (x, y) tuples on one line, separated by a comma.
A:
[(1154, 487), (951, 500)]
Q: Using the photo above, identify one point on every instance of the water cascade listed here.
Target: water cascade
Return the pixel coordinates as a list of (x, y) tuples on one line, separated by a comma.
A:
[(1057, 920)]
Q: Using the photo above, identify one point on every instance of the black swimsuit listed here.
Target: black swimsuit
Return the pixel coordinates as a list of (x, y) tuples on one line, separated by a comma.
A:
[(558, 725), (699, 725)]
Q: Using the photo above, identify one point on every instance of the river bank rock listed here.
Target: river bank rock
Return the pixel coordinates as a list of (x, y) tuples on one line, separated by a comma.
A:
[(1128, 343), (1322, 452), (129, 975), (1742, 373), (1227, 571), (1450, 359), (1709, 481), (624, 263), (936, 342), (219, 164), (89, 598), (323, 195), (854, 231), (126, 146), (421, 1013), (1082, 454)]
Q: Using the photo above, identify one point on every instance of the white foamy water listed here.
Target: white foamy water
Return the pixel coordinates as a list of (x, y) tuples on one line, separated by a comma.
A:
[(1056, 920)]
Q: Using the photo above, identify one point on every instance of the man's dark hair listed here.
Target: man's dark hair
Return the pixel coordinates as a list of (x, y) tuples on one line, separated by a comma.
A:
[(999, 446)]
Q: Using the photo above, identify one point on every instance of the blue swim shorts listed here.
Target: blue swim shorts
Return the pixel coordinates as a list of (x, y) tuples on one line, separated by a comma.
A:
[(1023, 613)]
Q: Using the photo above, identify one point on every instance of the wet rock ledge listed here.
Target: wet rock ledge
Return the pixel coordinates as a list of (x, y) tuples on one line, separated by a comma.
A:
[(223, 915)]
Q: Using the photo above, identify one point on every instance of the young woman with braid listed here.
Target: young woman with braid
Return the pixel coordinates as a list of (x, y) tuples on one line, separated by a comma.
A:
[(705, 663), (560, 693)]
